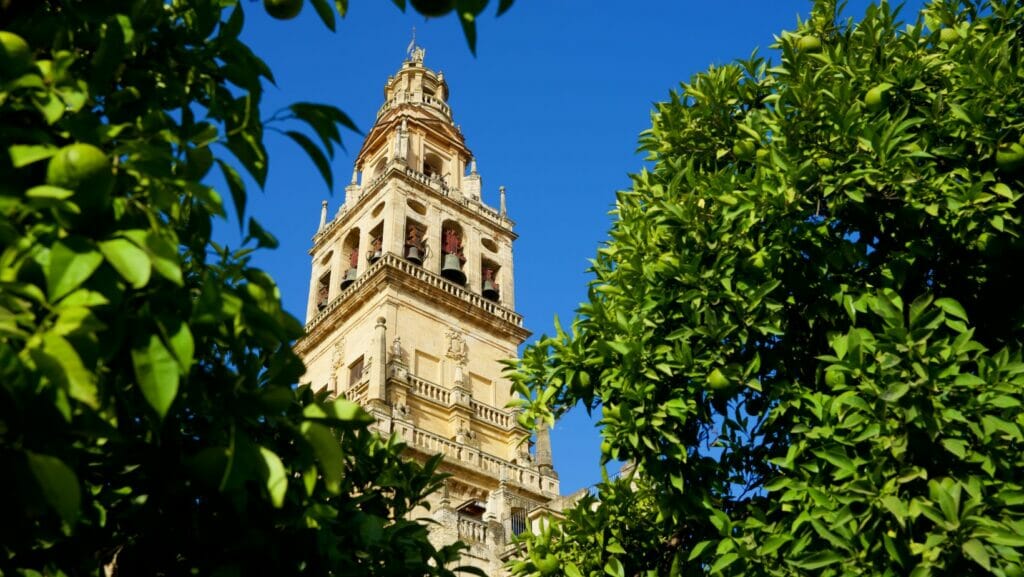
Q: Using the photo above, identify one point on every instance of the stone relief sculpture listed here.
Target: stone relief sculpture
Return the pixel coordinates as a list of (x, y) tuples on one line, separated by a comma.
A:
[(337, 361)]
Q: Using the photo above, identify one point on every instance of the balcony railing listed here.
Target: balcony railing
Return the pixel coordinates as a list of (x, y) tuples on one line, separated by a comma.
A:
[(415, 98), (471, 530), (392, 260)]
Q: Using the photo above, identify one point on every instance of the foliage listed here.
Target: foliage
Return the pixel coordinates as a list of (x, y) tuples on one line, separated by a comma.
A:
[(805, 331), (148, 420)]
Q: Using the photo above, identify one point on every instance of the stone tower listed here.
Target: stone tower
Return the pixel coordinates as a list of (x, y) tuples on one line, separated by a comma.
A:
[(411, 311)]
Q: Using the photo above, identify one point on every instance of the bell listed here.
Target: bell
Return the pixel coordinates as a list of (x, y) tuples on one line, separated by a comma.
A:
[(413, 254), (373, 256), (452, 269), (350, 277), (490, 290)]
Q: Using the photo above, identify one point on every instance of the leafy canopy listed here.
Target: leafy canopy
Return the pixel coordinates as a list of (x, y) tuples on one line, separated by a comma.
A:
[(805, 331), (148, 419)]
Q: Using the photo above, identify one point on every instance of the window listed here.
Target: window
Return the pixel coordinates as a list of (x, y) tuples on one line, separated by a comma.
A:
[(355, 372), (517, 520)]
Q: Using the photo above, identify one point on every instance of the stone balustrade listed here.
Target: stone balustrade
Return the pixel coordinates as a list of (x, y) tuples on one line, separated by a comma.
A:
[(492, 415), (420, 273), (430, 391), (471, 530), (470, 456), (415, 98)]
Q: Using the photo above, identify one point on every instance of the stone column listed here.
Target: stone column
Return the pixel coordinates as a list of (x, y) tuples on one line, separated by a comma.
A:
[(336, 264), (471, 249), (543, 451), (376, 393)]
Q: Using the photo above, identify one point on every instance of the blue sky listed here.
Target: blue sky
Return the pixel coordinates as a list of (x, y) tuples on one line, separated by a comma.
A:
[(551, 105)]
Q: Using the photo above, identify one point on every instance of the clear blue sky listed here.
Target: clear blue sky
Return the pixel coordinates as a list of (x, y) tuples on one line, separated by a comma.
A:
[(551, 105)]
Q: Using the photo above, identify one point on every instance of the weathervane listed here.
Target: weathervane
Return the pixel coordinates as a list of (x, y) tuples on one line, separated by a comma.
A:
[(415, 53)]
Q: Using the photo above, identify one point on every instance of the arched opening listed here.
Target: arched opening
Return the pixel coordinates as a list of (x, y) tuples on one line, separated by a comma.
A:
[(350, 250), (323, 290), (489, 287), (452, 257), (378, 169), (376, 249), (415, 241), (433, 165)]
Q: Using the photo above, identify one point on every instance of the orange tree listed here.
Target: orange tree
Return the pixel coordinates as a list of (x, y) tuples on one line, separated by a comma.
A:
[(805, 331), (148, 420)]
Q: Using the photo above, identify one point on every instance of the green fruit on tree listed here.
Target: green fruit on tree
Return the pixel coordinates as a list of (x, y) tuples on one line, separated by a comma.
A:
[(717, 381), (84, 169), (433, 8), (610, 412), (824, 163), (877, 98), (809, 43), (835, 378), (948, 36), (283, 9), (744, 149), (15, 55), (1010, 158), (762, 153)]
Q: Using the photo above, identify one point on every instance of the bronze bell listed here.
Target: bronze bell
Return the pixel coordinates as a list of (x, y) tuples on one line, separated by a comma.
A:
[(413, 254), (452, 269), (373, 256), (349, 278), (490, 290)]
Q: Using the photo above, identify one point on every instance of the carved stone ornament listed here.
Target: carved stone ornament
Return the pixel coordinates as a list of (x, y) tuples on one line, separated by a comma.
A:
[(457, 348), (337, 360), (396, 349)]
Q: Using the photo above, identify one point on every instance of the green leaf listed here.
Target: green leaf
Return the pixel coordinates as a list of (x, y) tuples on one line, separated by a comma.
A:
[(571, 570), (274, 476), (237, 187), (25, 154), (179, 337), (263, 238), (818, 560), (58, 483), (72, 262), (614, 568), (61, 360), (951, 307), (699, 549), (338, 412), (328, 453), (504, 5), (315, 154), (324, 11), (164, 258), (130, 261), (975, 550), (724, 561), (157, 372)]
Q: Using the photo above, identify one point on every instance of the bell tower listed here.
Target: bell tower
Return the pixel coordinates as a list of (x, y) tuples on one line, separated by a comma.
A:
[(412, 309)]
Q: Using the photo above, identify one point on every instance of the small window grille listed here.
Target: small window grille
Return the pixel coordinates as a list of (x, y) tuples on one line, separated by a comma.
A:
[(518, 520)]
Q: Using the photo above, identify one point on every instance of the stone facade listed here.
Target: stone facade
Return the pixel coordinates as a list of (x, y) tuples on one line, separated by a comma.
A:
[(411, 311)]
